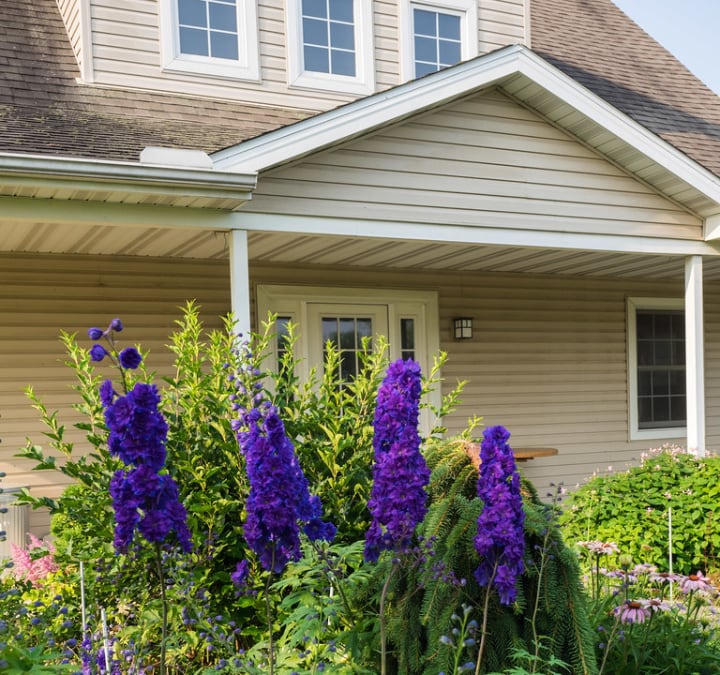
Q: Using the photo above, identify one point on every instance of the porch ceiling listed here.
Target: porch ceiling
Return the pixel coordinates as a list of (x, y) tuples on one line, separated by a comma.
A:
[(336, 251)]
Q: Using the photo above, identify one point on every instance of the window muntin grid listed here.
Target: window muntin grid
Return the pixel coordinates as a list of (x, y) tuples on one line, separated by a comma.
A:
[(209, 28), (437, 40), (328, 37)]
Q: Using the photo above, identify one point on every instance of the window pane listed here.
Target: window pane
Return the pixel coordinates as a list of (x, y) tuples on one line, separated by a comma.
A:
[(342, 35), (192, 13), (678, 411), (644, 326), (348, 366), (329, 331), (424, 23), (662, 323), (645, 353), (645, 383), (193, 41), (364, 330), (315, 32), (223, 17), (449, 26), (343, 63), (662, 352), (425, 50), (341, 10), (449, 53), (661, 383), (317, 59), (317, 8), (645, 411), (347, 333), (424, 69), (677, 382), (223, 45), (661, 409)]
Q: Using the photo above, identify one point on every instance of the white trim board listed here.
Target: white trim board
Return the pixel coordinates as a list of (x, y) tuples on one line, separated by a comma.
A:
[(448, 233)]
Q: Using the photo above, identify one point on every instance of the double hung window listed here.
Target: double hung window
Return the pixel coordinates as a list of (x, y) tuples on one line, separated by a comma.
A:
[(210, 37), (330, 45), (438, 34), (656, 342)]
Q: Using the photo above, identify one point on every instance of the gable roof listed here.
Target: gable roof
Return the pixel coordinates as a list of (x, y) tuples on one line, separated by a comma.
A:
[(598, 45)]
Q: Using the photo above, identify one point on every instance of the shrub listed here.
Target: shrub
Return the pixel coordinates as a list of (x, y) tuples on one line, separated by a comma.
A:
[(632, 509)]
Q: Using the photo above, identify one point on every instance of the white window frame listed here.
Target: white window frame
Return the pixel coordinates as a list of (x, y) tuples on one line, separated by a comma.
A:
[(247, 66), (467, 9), (364, 80), (634, 304), (293, 301)]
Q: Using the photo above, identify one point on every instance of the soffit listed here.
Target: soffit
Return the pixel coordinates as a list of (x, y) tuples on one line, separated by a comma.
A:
[(337, 252)]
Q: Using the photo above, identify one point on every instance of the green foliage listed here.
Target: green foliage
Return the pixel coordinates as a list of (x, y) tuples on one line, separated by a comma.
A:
[(550, 610), (631, 507), (676, 638)]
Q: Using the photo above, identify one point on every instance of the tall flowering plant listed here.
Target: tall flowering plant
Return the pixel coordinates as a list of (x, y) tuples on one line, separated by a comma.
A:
[(500, 540), (279, 503), (398, 500), (145, 498)]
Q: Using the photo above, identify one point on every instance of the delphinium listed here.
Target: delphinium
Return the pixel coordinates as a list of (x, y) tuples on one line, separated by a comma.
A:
[(398, 500), (279, 503), (145, 497), (500, 539)]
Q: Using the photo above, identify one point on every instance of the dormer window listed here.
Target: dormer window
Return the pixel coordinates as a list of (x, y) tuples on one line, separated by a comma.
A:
[(438, 34), (330, 45), (210, 37)]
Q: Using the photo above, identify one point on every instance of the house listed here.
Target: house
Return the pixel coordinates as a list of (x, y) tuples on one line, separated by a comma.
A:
[(542, 167)]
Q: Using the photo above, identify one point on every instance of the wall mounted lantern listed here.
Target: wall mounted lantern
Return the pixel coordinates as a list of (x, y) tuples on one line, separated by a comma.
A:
[(463, 328)]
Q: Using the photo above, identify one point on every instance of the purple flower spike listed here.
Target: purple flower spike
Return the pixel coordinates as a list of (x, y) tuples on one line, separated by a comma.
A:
[(130, 358), (98, 353), (279, 497), (240, 576), (500, 538), (400, 474), (95, 333), (116, 325)]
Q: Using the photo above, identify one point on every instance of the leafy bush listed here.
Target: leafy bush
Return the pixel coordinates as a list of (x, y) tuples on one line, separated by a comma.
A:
[(631, 508)]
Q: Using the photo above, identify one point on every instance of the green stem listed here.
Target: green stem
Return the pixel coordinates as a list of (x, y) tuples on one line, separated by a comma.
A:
[(383, 637), (607, 648), (163, 597), (483, 633), (268, 614)]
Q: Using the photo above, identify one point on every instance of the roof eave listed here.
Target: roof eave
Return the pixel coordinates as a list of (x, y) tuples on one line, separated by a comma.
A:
[(96, 179)]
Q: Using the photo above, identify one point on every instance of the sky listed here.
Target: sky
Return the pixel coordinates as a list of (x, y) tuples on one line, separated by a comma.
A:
[(690, 29)]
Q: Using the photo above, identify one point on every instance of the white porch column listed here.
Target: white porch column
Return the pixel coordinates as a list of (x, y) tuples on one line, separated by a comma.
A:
[(694, 355), (240, 280)]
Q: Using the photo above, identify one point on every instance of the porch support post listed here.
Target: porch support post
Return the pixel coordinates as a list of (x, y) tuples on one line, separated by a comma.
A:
[(694, 355), (240, 280)]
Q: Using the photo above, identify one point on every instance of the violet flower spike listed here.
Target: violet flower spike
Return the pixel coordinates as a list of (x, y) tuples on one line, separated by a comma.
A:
[(398, 498), (500, 539)]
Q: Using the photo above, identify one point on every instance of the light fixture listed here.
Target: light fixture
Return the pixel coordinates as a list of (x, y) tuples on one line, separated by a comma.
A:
[(463, 328)]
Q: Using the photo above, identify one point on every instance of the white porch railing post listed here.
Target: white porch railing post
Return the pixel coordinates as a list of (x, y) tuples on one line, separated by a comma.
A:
[(240, 280), (694, 355)]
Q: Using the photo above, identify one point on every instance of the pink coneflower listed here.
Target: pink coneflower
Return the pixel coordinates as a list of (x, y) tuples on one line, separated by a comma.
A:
[(632, 611), (600, 547), (664, 577), (656, 605), (695, 582)]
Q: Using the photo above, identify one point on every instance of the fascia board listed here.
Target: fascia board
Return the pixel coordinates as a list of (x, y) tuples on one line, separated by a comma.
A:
[(123, 176), (461, 234), (354, 119)]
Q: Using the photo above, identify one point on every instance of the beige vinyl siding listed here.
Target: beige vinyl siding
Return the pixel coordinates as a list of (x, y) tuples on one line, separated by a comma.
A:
[(126, 50), (483, 162), (501, 22), (42, 295), (126, 41), (70, 12)]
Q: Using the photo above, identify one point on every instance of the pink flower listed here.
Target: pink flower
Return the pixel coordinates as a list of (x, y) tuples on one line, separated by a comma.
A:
[(656, 605), (695, 582), (600, 547), (664, 577), (632, 611), (34, 569)]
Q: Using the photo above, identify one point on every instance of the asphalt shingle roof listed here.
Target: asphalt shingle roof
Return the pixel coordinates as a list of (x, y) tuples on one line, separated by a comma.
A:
[(44, 110), (595, 43)]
